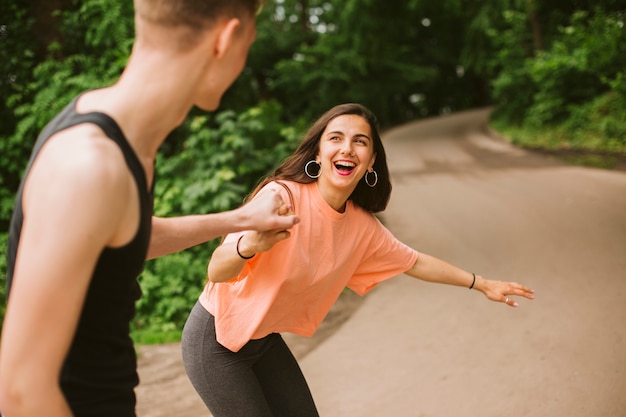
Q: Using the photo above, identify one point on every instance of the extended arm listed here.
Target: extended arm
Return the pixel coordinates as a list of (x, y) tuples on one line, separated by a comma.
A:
[(267, 211), (431, 269)]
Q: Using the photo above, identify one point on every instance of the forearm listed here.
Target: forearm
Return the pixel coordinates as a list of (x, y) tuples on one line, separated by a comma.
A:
[(430, 269), (230, 257), (174, 234), (267, 211), (226, 263)]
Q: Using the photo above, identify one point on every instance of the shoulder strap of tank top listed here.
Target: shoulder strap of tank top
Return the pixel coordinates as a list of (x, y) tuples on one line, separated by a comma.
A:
[(113, 131)]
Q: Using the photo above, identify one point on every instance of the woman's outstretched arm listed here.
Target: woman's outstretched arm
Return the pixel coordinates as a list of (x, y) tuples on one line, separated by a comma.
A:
[(430, 269)]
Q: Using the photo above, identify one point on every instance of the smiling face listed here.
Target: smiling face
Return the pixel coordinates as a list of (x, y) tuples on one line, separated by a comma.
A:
[(346, 153)]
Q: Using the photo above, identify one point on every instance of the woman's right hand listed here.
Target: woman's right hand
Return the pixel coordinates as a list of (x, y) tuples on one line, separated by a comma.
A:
[(230, 257), (268, 212), (253, 242)]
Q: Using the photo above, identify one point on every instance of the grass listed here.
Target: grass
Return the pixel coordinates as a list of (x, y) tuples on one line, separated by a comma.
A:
[(152, 337), (580, 147)]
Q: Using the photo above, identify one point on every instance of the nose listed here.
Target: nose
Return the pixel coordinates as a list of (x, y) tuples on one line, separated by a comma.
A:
[(347, 149)]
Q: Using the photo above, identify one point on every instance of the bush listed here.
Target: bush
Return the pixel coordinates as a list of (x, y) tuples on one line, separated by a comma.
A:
[(600, 124), (580, 65)]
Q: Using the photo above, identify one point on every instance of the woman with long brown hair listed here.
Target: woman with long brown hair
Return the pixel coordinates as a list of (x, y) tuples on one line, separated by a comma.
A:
[(263, 283)]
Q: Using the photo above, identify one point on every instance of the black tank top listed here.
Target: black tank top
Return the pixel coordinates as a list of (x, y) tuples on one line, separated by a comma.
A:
[(100, 371)]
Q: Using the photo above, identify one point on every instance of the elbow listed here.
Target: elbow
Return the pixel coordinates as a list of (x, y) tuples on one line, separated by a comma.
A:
[(210, 274), (12, 398), (29, 384), (24, 389), (24, 396), (214, 277), (222, 267), (218, 279)]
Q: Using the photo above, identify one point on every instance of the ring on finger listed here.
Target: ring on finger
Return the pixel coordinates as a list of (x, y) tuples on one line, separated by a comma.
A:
[(506, 301)]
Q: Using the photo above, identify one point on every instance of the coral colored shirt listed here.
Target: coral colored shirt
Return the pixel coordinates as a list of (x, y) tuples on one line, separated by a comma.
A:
[(291, 287)]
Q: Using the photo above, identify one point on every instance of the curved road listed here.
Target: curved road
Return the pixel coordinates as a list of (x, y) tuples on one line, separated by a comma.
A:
[(414, 349)]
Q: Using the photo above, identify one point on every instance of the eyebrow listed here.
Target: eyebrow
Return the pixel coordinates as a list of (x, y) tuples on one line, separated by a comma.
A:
[(343, 134)]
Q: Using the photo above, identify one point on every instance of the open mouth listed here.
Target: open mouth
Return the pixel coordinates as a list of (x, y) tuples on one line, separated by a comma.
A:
[(345, 167)]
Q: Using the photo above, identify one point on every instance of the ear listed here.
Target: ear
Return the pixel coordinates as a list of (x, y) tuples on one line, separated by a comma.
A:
[(225, 37)]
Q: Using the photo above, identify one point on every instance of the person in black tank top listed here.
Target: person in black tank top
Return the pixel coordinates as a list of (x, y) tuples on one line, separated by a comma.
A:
[(91, 371), (83, 221)]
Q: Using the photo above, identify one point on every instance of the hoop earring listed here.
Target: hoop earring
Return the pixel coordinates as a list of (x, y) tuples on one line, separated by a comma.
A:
[(375, 178), (306, 169)]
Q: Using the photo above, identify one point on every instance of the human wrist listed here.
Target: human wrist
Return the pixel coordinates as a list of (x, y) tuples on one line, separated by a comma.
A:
[(244, 251), (478, 283), (243, 220), (473, 281)]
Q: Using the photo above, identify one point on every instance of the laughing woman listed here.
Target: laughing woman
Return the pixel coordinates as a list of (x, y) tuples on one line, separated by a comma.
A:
[(263, 283)]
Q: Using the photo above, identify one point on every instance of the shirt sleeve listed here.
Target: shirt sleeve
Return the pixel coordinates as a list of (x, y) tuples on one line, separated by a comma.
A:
[(384, 258)]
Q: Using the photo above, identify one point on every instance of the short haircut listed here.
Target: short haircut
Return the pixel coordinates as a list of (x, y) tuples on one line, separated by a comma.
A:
[(194, 14)]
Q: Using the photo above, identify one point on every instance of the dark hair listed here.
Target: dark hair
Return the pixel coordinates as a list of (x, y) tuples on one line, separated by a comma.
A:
[(372, 199), (194, 14)]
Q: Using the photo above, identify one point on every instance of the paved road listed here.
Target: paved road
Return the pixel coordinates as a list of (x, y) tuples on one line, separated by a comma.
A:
[(414, 349)]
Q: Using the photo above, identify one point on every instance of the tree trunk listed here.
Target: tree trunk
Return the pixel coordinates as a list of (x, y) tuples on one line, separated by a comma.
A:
[(304, 16), (535, 26)]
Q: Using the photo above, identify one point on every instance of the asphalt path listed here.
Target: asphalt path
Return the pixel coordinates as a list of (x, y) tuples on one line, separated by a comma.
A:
[(426, 350)]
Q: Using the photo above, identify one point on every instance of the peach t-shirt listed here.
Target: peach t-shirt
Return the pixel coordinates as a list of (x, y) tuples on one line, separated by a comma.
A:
[(291, 287)]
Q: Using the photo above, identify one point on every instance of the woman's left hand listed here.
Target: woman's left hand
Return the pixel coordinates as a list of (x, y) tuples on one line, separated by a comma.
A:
[(502, 291)]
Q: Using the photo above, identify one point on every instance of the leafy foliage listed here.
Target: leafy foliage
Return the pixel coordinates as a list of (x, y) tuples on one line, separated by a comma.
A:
[(579, 66), (555, 69), (355, 57), (17, 59), (576, 82), (96, 41)]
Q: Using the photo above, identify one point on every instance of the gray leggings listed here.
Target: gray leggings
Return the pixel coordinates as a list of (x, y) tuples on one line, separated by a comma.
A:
[(263, 379)]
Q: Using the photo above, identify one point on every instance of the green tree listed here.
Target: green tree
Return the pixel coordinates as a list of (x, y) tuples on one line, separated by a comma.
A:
[(355, 57), (43, 70), (533, 52)]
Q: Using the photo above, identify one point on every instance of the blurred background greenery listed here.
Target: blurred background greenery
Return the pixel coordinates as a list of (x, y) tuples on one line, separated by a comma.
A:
[(555, 73)]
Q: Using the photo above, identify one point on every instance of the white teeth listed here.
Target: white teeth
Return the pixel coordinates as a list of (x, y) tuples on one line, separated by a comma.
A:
[(346, 163)]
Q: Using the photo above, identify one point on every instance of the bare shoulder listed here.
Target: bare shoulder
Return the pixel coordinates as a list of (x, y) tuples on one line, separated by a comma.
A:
[(80, 177), (82, 155)]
